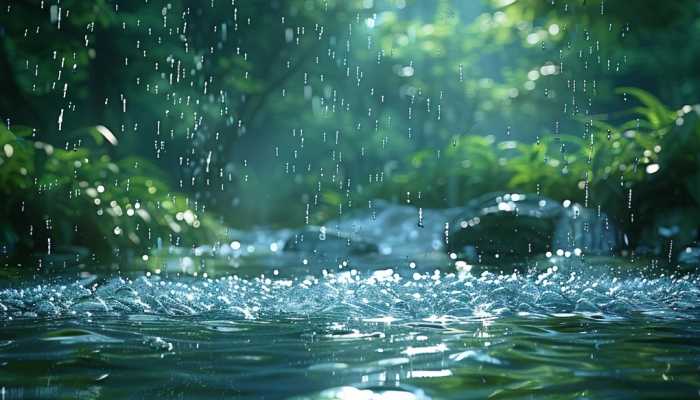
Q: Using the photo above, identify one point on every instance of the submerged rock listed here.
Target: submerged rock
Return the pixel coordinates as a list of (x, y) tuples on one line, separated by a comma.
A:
[(512, 227)]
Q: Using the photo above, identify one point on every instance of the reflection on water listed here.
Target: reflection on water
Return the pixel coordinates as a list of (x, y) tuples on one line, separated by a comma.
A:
[(355, 335)]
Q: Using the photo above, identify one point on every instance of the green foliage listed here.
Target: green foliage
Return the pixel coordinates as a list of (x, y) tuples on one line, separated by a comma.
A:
[(82, 197), (16, 161), (468, 167)]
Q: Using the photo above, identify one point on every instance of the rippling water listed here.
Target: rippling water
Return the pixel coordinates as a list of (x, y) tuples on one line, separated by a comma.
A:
[(355, 335)]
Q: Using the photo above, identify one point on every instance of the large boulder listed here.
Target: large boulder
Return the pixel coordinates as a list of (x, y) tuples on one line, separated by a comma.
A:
[(498, 227), (509, 227)]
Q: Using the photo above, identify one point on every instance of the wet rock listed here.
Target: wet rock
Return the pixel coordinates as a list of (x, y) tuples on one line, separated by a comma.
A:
[(670, 234), (498, 227), (584, 229), (328, 242), (510, 227), (690, 256)]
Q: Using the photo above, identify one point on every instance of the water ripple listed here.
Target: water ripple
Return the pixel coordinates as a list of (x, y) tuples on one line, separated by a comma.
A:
[(386, 295)]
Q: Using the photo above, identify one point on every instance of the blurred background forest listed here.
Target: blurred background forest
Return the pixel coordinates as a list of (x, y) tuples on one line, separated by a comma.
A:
[(128, 124)]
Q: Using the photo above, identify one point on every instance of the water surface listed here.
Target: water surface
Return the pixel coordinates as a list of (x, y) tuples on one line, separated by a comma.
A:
[(385, 334)]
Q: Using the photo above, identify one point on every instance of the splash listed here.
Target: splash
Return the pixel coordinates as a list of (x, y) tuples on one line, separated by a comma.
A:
[(385, 295)]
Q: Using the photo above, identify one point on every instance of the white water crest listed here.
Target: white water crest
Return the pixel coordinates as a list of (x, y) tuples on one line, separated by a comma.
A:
[(385, 294)]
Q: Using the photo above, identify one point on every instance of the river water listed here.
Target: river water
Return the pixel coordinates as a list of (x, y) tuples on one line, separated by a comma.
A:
[(576, 330)]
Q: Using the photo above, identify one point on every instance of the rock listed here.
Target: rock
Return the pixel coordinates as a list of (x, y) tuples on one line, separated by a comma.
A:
[(510, 227), (503, 227), (671, 233), (583, 230), (690, 256)]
